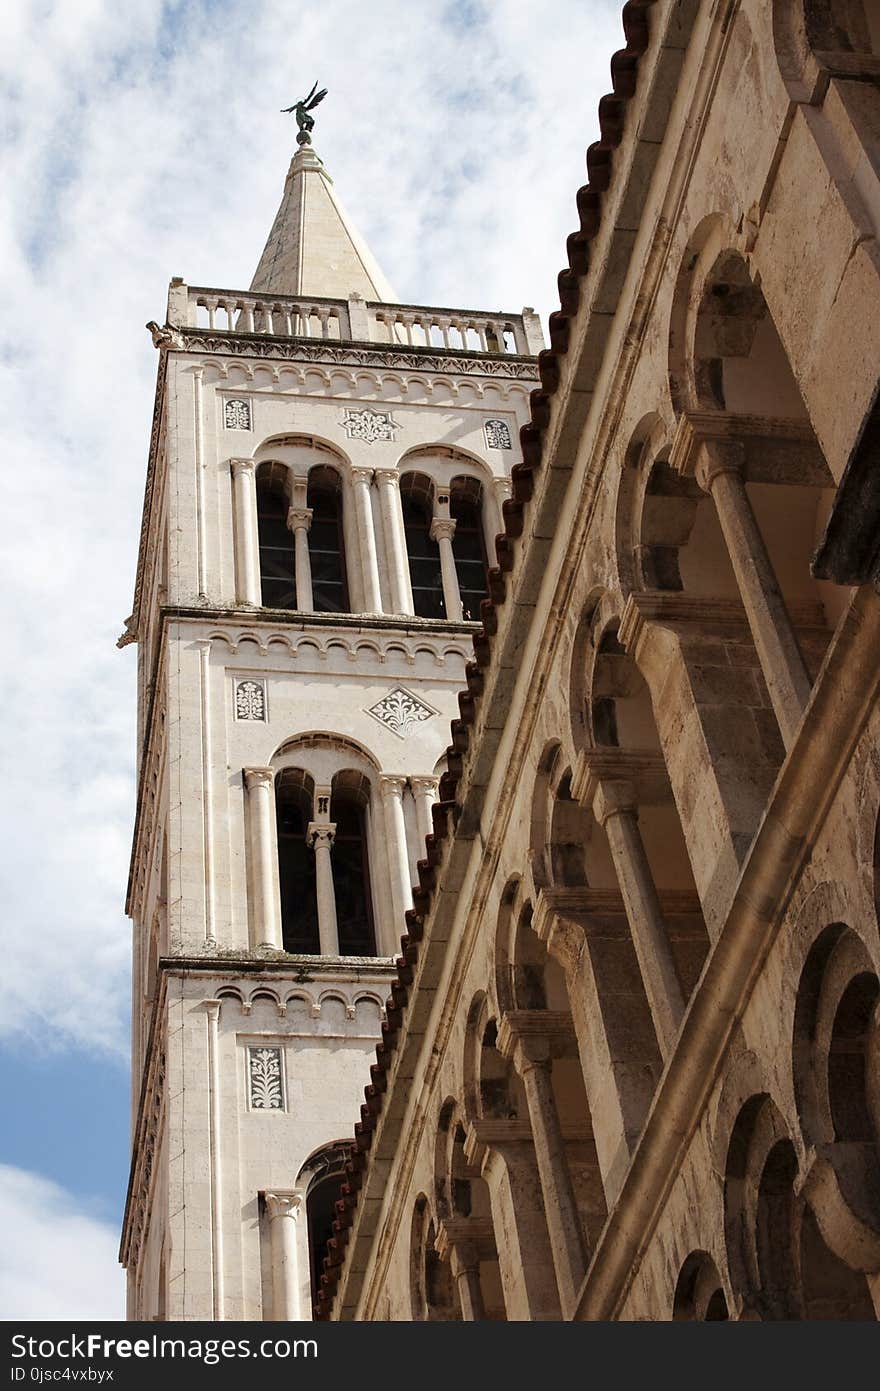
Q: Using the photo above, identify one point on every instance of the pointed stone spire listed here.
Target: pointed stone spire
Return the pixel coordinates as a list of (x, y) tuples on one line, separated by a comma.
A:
[(313, 248)]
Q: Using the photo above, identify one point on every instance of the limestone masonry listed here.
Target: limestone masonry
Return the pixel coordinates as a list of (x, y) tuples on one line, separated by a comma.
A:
[(576, 1016)]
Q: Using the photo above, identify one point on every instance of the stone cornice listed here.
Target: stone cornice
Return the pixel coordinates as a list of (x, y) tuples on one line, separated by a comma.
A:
[(277, 965), (335, 353), (293, 620)]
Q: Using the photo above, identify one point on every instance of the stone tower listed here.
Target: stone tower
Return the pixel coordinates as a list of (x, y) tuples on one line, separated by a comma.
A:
[(326, 476)]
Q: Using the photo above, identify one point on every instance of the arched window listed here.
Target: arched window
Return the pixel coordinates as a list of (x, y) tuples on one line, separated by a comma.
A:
[(468, 545), (277, 574), (296, 862), (424, 556), (351, 870), (327, 543), (324, 1175)]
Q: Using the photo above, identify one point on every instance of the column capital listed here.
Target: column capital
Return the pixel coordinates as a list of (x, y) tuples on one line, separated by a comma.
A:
[(258, 777), (321, 835), (362, 474), (424, 786), (299, 518), (392, 785), (615, 798), (387, 475), (284, 1205), (468, 1238), (534, 1037), (717, 457), (636, 777), (442, 529), (242, 466)]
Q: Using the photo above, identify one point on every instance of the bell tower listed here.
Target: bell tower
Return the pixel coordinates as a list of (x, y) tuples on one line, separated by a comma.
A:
[(327, 469)]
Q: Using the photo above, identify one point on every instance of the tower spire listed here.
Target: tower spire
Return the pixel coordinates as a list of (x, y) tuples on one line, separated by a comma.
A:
[(313, 247)]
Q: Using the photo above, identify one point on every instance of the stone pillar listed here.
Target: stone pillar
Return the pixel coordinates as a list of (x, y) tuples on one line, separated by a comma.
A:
[(493, 520), (391, 788), (388, 483), (262, 835), (442, 531), (320, 836), (720, 473), (464, 1260), (615, 808), (299, 519), (587, 932), (531, 1040), (503, 1150), (366, 536), (247, 539), (284, 1210), (424, 792), (464, 1242)]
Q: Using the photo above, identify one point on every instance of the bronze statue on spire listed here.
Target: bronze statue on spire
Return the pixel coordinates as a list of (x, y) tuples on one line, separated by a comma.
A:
[(301, 109)]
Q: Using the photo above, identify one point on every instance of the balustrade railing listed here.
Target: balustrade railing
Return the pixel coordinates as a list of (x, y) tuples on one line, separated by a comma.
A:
[(354, 320)]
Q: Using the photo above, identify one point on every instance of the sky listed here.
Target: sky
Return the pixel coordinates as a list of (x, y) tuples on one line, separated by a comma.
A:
[(142, 141)]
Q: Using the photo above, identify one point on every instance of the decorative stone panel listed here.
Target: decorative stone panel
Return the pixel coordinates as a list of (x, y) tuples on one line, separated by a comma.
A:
[(237, 415), (497, 434), (369, 426), (400, 711), (265, 1079), (250, 700)]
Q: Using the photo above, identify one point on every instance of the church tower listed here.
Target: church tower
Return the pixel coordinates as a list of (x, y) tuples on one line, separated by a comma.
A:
[(326, 474)]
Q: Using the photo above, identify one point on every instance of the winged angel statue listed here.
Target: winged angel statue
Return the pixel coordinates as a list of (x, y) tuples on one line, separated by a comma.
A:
[(301, 109)]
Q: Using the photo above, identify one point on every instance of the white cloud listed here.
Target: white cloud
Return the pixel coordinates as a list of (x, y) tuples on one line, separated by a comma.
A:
[(56, 1261), (145, 141)]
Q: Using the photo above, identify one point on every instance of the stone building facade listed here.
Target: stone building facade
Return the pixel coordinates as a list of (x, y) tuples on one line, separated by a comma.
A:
[(630, 1065), (326, 474)]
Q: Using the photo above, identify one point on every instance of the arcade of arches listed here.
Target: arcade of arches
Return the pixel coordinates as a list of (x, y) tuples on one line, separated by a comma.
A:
[(650, 1087)]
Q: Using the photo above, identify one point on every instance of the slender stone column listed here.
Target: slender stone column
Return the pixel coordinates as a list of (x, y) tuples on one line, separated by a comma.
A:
[(388, 483), (464, 1242), (615, 808), (299, 519), (247, 539), (720, 473), (266, 915), (494, 517), (424, 792), (533, 1063), (442, 531), (464, 1260), (284, 1210), (391, 788), (320, 836), (363, 512)]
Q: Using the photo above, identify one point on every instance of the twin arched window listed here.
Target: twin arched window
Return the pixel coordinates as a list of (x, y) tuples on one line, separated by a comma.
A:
[(349, 864), (303, 553), (321, 542), (425, 507)]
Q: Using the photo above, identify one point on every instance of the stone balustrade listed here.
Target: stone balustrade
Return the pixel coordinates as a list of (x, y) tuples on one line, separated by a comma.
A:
[(354, 320)]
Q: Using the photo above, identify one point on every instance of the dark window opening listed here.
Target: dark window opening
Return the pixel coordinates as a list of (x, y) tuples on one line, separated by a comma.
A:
[(296, 865), (351, 880), (327, 545), (277, 572), (321, 1212), (469, 550), (424, 558)]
